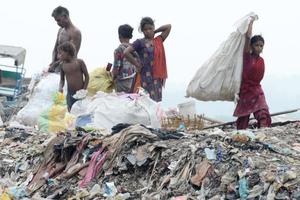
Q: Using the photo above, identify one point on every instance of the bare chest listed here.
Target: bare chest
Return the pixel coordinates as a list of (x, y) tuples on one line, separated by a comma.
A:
[(71, 68), (63, 36)]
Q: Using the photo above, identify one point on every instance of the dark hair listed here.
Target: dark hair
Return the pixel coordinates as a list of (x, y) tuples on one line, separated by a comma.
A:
[(60, 11), (144, 21), (125, 31), (256, 38), (68, 47)]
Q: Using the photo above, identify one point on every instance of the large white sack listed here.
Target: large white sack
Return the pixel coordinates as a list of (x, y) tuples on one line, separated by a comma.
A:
[(219, 78), (40, 100), (107, 110)]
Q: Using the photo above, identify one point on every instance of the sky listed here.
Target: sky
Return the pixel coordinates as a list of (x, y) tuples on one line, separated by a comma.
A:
[(198, 28)]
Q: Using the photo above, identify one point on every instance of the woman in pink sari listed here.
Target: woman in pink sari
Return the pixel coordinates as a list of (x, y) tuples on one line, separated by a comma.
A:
[(251, 96)]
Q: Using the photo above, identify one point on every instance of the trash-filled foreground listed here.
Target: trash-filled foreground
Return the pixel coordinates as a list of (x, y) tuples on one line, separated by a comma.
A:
[(136, 162)]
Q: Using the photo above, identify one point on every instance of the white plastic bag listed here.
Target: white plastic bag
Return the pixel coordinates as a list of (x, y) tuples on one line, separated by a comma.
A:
[(40, 100), (106, 110), (219, 78)]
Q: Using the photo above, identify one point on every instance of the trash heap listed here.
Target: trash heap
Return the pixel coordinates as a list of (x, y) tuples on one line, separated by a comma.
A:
[(136, 162)]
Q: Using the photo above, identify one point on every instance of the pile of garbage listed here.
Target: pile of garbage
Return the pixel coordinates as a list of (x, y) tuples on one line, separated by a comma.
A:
[(48, 153), (135, 162)]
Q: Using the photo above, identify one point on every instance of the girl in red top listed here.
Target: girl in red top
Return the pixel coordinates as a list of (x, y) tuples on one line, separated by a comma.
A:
[(251, 96)]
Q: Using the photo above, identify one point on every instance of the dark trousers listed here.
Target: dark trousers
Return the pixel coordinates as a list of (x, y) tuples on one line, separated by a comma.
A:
[(70, 99), (262, 116)]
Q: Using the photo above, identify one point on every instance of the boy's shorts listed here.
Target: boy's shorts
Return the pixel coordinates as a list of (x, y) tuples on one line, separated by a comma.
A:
[(70, 99)]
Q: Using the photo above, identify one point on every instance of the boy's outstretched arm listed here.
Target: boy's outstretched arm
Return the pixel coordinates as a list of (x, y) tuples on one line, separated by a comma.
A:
[(86, 75), (62, 81)]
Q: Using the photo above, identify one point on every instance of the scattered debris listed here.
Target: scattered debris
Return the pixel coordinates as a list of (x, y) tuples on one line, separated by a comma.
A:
[(137, 162)]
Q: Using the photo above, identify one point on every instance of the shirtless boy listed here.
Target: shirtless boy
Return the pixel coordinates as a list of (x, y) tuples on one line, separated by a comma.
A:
[(74, 70)]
